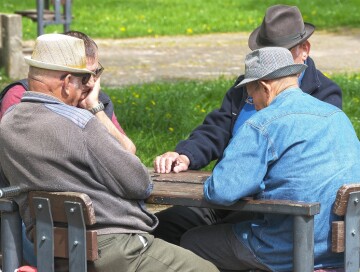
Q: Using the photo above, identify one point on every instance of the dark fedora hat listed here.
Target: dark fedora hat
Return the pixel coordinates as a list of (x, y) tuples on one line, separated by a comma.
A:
[(282, 26)]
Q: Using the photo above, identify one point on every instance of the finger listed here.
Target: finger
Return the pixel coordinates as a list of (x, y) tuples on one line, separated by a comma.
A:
[(181, 167), (157, 164)]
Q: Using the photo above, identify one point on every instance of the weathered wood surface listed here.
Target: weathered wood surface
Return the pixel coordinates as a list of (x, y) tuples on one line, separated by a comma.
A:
[(58, 210), (186, 189), (57, 206), (342, 198)]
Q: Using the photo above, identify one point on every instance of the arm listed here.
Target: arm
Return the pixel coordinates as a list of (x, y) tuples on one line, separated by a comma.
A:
[(241, 171), (208, 141), (119, 170), (90, 101)]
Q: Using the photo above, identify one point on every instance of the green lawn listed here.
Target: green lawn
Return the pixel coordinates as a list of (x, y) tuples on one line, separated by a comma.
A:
[(134, 18), (157, 115), (151, 113)]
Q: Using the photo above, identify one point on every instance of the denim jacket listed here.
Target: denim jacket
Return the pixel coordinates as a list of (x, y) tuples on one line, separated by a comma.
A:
[(298, 148), (208, 141)]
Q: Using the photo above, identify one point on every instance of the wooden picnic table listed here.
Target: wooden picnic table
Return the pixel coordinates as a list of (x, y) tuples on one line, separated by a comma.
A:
[(186, 189)]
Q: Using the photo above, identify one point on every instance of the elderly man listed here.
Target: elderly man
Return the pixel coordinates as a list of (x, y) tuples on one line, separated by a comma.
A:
[(12, 94), (282, 26), (297, 148), (47, 143)]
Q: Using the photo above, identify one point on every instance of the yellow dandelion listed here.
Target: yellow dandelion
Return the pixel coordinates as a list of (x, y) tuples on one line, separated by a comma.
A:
[(189, 31), (171, 129), (123, 29)]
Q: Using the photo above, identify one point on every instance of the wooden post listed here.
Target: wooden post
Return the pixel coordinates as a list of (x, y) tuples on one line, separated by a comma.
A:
[(12, 58)]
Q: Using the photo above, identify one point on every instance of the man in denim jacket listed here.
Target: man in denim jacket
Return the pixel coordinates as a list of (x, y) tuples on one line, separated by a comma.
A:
[(282, 26), (297, 148)]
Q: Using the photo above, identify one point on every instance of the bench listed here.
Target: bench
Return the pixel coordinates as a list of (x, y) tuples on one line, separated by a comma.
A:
[(345, 235), (71, 241), (44, 15)]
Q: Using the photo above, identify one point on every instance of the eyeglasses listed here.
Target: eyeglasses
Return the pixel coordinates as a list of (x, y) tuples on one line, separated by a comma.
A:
[(249, 100), (84, 77), (98, 71)]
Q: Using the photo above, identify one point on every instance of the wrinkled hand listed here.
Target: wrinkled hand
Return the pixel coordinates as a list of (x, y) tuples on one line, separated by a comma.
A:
[(171, 161), (92, 97)]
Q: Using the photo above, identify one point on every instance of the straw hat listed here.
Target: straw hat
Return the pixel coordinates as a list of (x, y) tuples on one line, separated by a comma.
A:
[(60, 53), (270, 63), (282, 26)]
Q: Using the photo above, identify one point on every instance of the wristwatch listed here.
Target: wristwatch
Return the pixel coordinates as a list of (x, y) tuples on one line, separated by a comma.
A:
[(97, 108)]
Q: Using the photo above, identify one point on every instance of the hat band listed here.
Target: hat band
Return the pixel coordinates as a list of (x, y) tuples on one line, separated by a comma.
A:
[(282, 40)]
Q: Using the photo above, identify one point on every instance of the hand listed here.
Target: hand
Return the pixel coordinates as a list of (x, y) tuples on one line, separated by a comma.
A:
[(90, 98), (171, 161)]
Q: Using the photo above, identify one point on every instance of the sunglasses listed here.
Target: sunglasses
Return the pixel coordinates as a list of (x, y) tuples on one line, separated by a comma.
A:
[(98, 71), (84, 77)]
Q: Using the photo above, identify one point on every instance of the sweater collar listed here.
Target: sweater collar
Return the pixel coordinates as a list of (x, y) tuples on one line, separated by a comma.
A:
[(37, 97)]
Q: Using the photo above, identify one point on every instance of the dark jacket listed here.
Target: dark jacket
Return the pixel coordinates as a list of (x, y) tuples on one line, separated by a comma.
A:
[(104, 98), (208, 141)]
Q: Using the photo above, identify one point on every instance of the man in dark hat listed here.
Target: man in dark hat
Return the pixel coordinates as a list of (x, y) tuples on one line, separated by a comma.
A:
[(286, 156), (282, 26)]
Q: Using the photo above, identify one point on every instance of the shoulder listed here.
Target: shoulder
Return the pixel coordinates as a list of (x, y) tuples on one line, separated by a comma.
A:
[(79, 117)]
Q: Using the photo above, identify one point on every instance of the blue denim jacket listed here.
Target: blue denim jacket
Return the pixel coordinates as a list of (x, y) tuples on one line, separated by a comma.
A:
[(297, 148)]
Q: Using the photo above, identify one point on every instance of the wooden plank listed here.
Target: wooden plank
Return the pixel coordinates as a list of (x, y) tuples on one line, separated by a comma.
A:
[(191, 176), (191, 194), (61, 243), (57, 205), (342, 198), (338, 236)]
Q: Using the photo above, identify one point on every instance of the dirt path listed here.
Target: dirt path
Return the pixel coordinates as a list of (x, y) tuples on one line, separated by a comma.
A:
[(139, 60), (132, 61)]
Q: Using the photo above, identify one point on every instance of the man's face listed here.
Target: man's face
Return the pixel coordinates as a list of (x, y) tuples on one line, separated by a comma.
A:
[(93, 65), (77, 90), (259, 97)]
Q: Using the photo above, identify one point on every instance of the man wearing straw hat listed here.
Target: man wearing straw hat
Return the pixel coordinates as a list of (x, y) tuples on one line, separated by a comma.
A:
[(47, 143), (297, 148)]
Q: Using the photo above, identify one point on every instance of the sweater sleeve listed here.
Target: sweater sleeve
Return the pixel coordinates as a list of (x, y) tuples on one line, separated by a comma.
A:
[(114, 167)]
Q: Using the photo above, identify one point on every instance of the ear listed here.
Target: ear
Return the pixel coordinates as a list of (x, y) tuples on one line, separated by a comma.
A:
[(266, 86), (65, 91), (305, 50)]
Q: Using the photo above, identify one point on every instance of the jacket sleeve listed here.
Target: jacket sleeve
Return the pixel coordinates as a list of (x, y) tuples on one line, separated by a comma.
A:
[(319, 86), (208, 141)]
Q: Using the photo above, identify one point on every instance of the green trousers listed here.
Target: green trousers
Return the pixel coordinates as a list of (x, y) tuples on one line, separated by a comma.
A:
[(144, 253)]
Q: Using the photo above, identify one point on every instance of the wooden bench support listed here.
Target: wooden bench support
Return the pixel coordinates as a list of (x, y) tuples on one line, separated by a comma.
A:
[(61, 14), (352, 237), (346, 234), (61, 220)]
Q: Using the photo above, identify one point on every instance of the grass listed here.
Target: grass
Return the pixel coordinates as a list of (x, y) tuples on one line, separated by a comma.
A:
[(158, 115), (123, 18)]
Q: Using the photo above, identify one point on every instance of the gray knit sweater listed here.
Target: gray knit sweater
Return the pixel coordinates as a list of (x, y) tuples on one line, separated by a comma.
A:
[(48, 145)]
